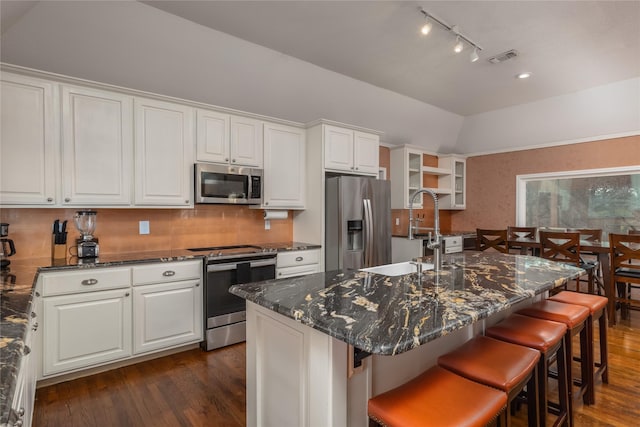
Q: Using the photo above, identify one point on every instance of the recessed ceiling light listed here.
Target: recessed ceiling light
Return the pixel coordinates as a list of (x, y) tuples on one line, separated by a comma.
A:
[(524, 75)]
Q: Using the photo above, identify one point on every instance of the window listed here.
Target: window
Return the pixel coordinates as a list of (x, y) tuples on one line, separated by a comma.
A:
[(608, 199)]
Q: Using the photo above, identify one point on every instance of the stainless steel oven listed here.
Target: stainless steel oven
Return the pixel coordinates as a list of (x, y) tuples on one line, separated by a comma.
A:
[(225, 314)]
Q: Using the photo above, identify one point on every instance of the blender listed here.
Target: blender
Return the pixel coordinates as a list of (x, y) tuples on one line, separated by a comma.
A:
[(86, 224)]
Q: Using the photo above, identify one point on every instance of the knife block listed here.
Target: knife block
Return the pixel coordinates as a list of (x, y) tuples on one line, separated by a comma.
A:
[(58, 251)]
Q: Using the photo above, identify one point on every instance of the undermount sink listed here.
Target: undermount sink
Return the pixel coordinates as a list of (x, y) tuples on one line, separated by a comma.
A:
[(397, 269)]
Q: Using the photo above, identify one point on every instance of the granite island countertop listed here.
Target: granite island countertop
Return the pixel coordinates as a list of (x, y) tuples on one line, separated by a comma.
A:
[(390, 315), (16, 299)]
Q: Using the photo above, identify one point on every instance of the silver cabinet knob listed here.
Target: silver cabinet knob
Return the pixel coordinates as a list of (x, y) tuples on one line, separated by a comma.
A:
[(169, 273), (49, 199), (88, 282)]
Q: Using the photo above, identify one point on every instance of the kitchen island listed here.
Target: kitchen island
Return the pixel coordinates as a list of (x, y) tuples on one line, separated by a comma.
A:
[(302, 333)]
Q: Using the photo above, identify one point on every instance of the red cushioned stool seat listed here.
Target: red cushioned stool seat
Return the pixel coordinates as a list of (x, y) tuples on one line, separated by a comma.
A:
[(499, 364), (437, 398), (597, 306), (548, 338)]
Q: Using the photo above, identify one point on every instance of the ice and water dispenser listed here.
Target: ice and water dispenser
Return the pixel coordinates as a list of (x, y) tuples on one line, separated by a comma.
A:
[(355, 235)]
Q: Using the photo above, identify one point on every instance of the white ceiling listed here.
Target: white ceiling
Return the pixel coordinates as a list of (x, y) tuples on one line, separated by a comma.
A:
[(567, 45)]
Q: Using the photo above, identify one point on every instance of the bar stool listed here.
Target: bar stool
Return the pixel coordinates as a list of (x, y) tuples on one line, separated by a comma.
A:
[(437, 398), (498, 364), (575, 318), (548, 338), (597, 306)]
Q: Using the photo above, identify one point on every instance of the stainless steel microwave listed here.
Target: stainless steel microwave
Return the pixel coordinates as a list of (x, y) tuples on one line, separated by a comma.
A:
[(227, 184)]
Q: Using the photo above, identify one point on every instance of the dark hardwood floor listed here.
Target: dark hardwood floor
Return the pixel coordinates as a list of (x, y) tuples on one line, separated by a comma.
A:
[(197, 388)]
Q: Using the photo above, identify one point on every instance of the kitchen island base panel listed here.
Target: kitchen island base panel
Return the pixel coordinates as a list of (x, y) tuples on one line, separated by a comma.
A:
[(298, 376)]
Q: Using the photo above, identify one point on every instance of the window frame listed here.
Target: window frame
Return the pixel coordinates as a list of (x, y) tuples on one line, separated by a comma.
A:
[(522, 180)]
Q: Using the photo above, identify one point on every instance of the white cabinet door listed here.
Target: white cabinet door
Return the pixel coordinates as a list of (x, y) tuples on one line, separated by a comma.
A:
[(338, 148), (246, 141), (212, 137), (163, 153), (366, 153), (97, 147), (28, 141), (166, 314), (284, 171), (86, 329)]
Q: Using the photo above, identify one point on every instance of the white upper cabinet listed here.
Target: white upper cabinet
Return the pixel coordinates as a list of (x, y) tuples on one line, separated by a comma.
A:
[(164, 158), (246, 141), (212, 137), (28, 141), (97, 147), (456, 181), (284, 171), (346, 150), (227, 139), (366, 153)]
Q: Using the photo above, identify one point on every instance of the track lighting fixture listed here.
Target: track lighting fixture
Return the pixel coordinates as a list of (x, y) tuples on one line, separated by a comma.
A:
[(458, 46), (474, 55), (426, 28), (460, 38)]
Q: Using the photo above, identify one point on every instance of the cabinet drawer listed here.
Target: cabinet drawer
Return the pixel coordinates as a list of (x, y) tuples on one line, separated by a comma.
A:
[(166, 272), (300, 270), (290, 259), (85, 280)]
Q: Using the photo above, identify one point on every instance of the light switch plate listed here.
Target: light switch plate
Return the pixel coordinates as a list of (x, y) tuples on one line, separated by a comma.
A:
[(144, 227)]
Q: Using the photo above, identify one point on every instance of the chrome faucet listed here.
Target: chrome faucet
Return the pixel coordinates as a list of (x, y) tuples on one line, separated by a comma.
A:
[(434, 243)]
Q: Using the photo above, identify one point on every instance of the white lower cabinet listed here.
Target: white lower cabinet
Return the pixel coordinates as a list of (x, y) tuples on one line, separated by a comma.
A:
[(297, 263), (23, 401), (94, 316), (86, 329), (166, 314)]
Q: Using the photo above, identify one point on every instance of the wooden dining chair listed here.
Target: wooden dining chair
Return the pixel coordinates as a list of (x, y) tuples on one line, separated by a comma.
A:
[(521, 232), (625, 269), (592, 235), (565, 247), (492, 239)]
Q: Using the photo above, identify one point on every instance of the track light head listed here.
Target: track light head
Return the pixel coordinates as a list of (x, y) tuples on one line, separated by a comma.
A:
[(474, 55), (426, 28), (458, 46)]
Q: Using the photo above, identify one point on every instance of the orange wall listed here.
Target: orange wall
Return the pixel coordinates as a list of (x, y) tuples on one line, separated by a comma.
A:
[(491, 179), (117, 229)]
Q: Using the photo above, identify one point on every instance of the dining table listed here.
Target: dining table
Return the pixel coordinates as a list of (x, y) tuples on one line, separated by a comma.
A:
[(599, 248)]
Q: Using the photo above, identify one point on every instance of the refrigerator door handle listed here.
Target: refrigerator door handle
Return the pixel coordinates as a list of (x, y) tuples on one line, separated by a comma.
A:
[(368, 232)]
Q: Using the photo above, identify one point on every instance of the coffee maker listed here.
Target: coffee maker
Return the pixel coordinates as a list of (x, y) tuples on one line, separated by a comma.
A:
[(7, 247), (86, 224)]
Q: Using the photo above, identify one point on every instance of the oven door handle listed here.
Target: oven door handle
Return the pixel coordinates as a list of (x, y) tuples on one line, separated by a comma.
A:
[(234, 265)]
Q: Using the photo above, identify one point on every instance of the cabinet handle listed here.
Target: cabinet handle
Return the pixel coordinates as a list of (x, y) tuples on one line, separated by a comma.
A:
[(186, 202), (26, 350), (35, 327), (226, 159), (169, 273), (49, 199), (18, 423), (233, 160), (33, 315), (37, 293), (127, 294), (21, 412), (266, 203), (356, 168), (299, 258), (89, 282), (197, 284), (66, 199), (280, 274)]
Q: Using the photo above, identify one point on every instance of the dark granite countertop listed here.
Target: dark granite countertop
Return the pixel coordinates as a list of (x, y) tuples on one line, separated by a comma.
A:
[(444, 234), (390, 315), (16, 299)]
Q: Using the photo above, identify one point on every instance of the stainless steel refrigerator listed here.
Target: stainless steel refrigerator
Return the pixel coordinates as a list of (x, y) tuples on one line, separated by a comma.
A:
[(358, 223)]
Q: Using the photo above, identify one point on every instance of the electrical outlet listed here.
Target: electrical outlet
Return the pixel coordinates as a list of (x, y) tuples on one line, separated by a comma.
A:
[(267, 224), (397, 221), (143, 227)]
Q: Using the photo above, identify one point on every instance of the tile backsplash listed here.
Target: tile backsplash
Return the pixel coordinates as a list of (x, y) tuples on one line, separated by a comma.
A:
[(117, 229)]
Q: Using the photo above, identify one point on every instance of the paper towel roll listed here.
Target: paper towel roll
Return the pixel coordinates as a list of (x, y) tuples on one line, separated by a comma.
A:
[(276, 214)]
